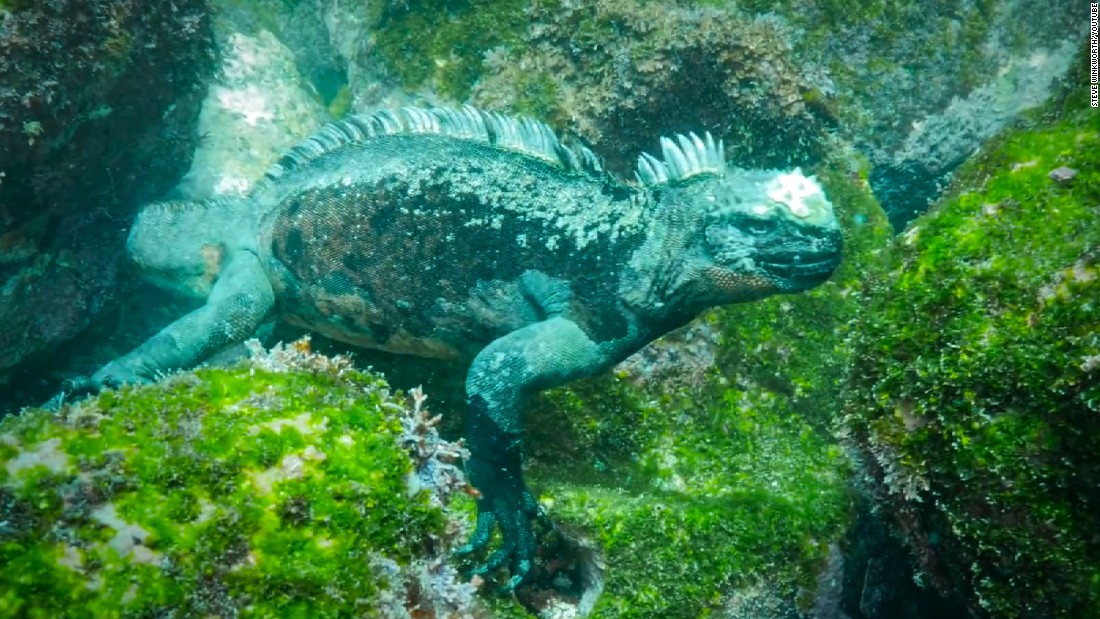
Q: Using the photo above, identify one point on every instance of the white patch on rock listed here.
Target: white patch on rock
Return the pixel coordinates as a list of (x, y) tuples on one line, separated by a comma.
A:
[(292, 466), (129, 539), (72, 558), (303, 423), (250, 102), (47, 454), (256, 111)]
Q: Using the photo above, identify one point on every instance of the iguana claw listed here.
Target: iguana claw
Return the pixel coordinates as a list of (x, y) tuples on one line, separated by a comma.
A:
[(70, 388), (112, 376), (518, 549)]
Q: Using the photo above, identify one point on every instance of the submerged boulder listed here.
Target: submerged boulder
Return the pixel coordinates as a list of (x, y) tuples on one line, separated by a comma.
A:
[(973, 396), (617, 73), (289, 486), (98, 110)]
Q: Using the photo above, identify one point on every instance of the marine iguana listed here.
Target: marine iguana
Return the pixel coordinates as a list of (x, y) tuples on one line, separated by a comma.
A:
[(460, 233)]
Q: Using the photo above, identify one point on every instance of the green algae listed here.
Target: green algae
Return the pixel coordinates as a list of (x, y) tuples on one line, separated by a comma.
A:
[(971, 396), (767, 492), (443, 44), (14, 6), (267, 493), (341, 102)]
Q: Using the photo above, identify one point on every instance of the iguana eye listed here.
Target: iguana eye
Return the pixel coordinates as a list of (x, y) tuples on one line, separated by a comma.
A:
[(758, 227)]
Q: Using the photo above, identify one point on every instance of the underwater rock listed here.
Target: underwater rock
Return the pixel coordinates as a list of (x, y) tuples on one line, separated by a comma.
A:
[(97, 114), (907, 180), (317, 34), (918, 86), (349, 33), (255, 110), (971, 400), (1062, 174), (290, 485), (879, 575), (617, 73)]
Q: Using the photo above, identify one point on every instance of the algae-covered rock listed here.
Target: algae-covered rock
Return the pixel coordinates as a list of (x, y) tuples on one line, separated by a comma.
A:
[(623, 72), (973, 398), (729, 493), (291, 486), (98, 109), (620, 73)]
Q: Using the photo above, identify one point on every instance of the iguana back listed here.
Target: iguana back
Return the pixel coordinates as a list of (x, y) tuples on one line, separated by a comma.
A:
[(432, 244)]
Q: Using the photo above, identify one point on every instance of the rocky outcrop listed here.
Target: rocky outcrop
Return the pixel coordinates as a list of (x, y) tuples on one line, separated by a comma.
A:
[(973, 393), (98, 109)]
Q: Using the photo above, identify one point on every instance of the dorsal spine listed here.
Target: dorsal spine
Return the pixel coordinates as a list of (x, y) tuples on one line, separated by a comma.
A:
[(518, 134)]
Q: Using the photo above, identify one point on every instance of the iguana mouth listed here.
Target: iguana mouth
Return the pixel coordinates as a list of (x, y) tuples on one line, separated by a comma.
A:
[(801, 267)]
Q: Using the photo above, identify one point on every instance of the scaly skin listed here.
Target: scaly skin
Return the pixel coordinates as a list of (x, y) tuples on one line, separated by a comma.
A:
[(413, 233)]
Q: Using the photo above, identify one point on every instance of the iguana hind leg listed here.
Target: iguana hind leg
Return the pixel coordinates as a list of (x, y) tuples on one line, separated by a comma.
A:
[(539, 356)]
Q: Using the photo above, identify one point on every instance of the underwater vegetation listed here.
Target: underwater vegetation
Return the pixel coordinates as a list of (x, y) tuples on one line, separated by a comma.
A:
[(289, 486), (973, 395), (738, 496)]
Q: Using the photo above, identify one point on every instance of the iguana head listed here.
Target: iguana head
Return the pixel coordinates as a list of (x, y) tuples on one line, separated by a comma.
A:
[(181, 245), (745, 234), (775, 231)]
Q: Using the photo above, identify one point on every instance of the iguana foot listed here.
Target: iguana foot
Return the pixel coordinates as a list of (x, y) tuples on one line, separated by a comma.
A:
[(111, 376), (506, 503), (518, 549), (118, 373)]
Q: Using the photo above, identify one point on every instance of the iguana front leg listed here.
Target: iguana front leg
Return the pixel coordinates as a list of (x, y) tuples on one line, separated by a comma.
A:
[(536, 357), (238, 302)]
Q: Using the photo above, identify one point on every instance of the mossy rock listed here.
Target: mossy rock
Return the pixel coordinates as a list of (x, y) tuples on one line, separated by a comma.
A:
[(442, 44), (623, 73), (711, 510), (973, 396), (241, 492), (71, 70), (619, 74)]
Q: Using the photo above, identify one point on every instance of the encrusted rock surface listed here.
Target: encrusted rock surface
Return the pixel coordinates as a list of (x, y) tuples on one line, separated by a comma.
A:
[(98, 108), (973, 398), (289, 485)]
